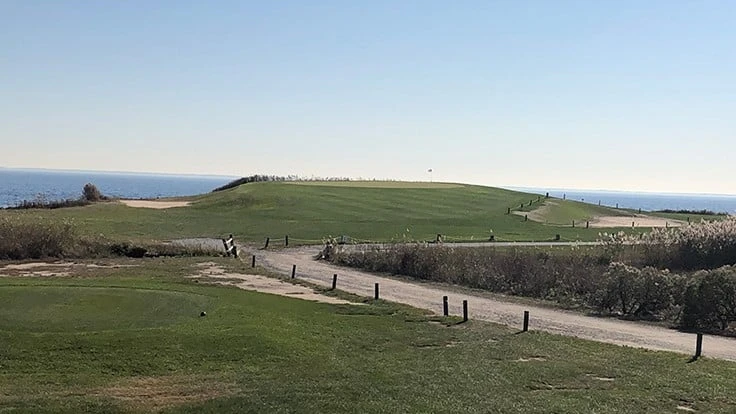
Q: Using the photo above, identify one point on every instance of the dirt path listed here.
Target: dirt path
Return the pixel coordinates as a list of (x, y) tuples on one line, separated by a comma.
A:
[(493, 310)]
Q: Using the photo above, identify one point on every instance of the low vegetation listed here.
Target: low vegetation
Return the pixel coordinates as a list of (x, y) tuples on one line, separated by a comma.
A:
[(93, 343), (43, 238), (626, 276)]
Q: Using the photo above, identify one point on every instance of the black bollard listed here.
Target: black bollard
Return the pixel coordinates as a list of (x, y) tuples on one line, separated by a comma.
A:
[(293, 271), (526, 321), (445, 306), (334, 281)]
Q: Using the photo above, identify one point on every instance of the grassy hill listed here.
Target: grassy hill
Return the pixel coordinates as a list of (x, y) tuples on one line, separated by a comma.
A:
[(310, 211)]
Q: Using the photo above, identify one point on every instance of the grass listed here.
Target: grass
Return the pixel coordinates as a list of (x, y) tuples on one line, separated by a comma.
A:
[(563, 212), (310, 212), (263, 353)]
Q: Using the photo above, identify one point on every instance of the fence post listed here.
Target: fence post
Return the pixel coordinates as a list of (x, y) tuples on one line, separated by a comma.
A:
[(375, 295), (445, 306), (573, 223), (267, 240), (526, 321), (253, 262), (508, 210), (334, 281), (465, 311), (587, 224), (286, 240), (698, 346), (293, 271), (526, 217)]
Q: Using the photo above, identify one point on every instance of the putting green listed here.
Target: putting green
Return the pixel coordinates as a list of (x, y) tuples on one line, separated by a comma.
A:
[(88, 309)]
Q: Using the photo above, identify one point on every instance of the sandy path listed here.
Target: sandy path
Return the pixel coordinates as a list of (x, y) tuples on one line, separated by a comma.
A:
[(493, 310), (640, 220), (154, 204)]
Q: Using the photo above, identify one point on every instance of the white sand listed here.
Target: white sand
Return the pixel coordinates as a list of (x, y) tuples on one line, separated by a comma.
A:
[(154, 204)]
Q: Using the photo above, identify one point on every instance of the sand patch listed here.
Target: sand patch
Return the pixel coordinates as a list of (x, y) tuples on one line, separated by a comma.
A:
[(155, 204), (43, 269), (638, 220), (532, 359), (158, 393), (263, 284)]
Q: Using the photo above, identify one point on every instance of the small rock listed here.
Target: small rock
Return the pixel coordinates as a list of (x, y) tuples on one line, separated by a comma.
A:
[(203, 313)]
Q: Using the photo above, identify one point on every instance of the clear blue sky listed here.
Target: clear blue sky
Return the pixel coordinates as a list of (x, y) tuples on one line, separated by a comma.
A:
[(629, 95)]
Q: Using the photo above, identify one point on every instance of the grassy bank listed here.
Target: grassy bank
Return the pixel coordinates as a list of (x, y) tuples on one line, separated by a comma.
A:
[(93, 343), (309, 212)]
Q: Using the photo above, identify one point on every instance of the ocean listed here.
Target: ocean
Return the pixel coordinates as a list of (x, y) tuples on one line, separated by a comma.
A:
[(645, 201), (17, 185)]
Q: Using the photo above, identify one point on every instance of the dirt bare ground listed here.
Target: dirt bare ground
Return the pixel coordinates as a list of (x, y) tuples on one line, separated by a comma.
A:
[(493, 310), (215, 274)]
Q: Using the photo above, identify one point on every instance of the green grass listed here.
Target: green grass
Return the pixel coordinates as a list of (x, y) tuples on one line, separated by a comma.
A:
[(263, 353), (310, 212)]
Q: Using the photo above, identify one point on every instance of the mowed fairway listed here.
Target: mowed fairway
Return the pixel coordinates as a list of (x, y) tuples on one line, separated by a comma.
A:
[(131, 340), (310, 212)]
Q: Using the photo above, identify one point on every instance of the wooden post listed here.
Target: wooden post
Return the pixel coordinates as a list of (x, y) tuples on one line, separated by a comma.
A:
[(633, 224), (639, 210), (521, 206), (334, 281), (698, 346), (376, 292), (616, 205), (508, 210), (573, 223), (530, 203), (267, 240), (286, 240), (293, 271), (253, 262), (465, 311), (526, 321), (599, 202), (557, 237), (526, 217), (587, 224), (564, 196), (445, 306), (227, 250)]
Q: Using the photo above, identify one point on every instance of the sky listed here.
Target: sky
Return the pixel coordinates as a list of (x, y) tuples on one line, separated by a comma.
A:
[(618, 95)]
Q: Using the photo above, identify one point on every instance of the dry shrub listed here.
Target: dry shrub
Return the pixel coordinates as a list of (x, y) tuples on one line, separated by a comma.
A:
[(37, 239)]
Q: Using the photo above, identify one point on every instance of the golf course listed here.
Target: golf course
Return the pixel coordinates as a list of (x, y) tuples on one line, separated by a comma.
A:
[(112, 334), (311, 212)]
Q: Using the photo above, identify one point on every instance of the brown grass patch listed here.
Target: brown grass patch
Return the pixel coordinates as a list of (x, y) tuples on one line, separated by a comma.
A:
[(158, 393)]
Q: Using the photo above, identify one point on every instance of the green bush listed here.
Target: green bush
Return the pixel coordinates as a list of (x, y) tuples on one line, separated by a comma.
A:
[(710, 300)]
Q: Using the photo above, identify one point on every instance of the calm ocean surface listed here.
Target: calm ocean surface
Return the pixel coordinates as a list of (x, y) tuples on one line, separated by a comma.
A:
[(647, 201), (19, 185)]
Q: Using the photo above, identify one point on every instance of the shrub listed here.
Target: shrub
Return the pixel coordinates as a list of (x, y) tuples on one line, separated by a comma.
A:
[(710, 300), (35, 240), (91, 193)]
